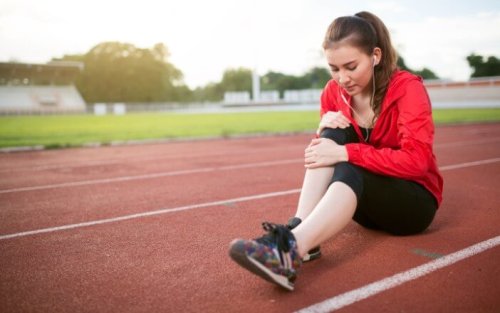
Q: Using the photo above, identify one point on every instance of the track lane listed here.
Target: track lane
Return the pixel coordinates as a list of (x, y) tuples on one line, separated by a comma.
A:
[(140, 167), (53, 159), (147, 213), (173, 262), (40, 209), (167, 263), (106, 162)]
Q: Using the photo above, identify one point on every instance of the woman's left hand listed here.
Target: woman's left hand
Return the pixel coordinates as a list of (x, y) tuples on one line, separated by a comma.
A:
[(323, 152)]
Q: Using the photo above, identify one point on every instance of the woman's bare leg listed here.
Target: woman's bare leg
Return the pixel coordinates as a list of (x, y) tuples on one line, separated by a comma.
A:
[(332, 213), (314, 187)]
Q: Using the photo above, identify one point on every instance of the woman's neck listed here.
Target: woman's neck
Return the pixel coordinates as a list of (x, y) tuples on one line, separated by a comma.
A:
[(363, 112), (361, 102), (364, 98)]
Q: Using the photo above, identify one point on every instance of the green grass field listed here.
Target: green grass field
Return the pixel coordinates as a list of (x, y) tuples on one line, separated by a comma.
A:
[(76, 130)]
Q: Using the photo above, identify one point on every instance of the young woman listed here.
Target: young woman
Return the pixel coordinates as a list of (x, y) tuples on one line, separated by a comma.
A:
[(371, 162)]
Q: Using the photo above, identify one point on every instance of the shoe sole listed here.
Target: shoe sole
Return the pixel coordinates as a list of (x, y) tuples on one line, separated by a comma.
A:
[(258, 269), (311, 256)]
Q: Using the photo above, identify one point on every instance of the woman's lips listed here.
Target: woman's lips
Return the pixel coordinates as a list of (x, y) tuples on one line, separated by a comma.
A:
[(350, 88)]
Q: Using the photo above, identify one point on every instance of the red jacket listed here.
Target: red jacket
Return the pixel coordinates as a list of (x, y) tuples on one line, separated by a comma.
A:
[(400, 144)]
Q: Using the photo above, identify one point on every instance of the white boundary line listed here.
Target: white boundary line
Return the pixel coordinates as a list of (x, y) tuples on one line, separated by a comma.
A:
[(468, 164), (333, 303), (140, 158), (149, 213), (374, 288), (200, 170), (466, 142), (115, 161), (197, 206), (149, 176)]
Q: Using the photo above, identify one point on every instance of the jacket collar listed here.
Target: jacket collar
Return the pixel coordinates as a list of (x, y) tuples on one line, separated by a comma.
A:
[(396, 89)]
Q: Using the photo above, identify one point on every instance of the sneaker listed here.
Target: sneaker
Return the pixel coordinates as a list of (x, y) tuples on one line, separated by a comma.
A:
[(314, 253), (273, 256)]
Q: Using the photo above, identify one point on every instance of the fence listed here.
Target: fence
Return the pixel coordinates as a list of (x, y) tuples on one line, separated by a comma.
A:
[(479, 93)]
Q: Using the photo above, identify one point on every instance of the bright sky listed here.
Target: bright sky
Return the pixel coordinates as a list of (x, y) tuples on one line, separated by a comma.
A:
[(206, 37)]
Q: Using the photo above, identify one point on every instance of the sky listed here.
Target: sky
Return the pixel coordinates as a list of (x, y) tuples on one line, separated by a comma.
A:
[(206, 37)]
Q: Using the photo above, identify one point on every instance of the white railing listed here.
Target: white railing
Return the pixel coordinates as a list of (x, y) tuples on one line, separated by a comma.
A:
[(473, 82)]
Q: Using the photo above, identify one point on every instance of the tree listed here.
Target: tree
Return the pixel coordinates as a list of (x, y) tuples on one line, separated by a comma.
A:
[(271, 80), (425, 73), (210, 92), (317, 77), (121, 72), (233, 79), (237, 79), (481, 68)]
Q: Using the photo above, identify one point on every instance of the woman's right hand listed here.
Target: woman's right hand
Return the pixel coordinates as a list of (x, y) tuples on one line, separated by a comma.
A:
[(333, 120)]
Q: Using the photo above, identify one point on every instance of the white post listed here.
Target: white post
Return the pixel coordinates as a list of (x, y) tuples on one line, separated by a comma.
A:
[(100, 109), (119, 109), (255, 86)]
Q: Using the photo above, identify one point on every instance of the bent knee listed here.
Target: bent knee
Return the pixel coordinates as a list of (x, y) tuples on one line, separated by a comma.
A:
[(339, 135)]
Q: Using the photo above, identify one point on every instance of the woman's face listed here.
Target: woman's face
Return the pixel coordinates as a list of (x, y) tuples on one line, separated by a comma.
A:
[(351, 68)]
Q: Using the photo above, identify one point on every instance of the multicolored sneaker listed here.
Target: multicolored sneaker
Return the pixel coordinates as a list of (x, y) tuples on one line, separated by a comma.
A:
[(273, 256), (314, 253)]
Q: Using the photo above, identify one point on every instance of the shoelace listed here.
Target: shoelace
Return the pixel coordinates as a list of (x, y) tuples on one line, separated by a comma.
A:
[(278, 234)]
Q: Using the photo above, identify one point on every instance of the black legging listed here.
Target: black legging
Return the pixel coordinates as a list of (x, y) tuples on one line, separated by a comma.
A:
[(394, 205)]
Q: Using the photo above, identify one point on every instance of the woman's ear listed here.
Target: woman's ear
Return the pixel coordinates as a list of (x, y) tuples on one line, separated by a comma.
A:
[(377, 56)]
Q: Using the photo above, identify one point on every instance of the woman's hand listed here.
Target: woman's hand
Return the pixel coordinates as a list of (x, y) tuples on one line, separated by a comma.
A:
[(323, 152), (333, 120)]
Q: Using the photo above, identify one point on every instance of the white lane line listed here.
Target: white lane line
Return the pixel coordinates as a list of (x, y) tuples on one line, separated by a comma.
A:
[(150, 213), (190, 207), (374, 288), (117, 161), (200, 170), (466, 142), (149, 176), (468, 164), (138, 159)]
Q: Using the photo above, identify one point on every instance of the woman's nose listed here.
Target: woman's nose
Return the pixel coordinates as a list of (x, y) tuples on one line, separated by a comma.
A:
[(343, 79)]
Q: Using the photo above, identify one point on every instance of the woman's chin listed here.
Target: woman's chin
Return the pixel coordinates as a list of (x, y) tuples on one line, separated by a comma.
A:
[(352, 90)]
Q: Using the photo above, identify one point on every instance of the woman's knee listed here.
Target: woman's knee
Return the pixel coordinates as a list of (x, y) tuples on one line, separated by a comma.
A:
[(339, 135)]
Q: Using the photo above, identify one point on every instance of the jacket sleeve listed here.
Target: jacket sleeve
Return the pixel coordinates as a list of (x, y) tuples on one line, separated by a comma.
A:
[(415, 137)]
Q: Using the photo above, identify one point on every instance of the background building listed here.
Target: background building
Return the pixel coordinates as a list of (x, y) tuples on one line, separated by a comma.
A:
[(40, 88)]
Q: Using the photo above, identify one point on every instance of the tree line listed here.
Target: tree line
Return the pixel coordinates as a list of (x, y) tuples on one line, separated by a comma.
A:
[(122, 72)]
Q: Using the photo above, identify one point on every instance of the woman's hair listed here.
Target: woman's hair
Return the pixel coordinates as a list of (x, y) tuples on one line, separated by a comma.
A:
[(366, 31)]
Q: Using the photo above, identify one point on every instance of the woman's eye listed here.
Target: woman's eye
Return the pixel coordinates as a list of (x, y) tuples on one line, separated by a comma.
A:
[(347, 68)]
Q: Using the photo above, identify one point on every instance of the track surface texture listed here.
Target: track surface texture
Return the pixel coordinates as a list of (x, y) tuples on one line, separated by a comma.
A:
[(146, 228)]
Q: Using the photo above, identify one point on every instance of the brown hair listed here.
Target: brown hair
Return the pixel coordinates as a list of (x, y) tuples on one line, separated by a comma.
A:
[(366, 31)]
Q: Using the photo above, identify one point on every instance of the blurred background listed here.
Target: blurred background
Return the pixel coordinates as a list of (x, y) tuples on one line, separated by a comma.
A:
[(120, 57)]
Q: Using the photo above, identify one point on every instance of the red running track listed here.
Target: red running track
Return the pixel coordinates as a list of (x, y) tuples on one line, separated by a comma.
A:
[(146, 228)]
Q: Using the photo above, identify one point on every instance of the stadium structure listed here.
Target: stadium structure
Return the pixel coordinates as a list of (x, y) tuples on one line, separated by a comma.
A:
[(40, 88)]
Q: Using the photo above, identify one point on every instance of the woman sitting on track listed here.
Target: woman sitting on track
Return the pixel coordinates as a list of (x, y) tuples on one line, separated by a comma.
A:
[(373, 161)]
